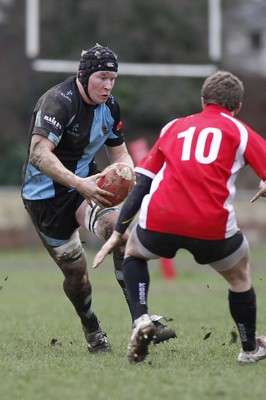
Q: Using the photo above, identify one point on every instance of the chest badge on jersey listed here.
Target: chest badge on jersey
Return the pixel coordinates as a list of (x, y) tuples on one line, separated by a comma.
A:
[(74, 131), (105, 129)]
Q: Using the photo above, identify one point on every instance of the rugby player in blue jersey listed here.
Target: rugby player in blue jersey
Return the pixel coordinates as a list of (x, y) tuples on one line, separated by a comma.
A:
[(71, 122)]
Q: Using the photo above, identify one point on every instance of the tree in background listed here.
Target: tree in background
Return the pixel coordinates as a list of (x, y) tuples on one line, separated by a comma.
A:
[(150, 32)]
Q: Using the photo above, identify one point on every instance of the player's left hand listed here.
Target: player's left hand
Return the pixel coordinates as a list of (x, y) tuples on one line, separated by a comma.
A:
[(261, 193), (107, 248)]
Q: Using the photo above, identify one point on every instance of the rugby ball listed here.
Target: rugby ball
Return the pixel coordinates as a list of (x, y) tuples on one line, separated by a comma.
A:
[(119, 178)]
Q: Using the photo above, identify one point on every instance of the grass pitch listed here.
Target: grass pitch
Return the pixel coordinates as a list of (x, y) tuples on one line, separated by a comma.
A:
[(43, 352)]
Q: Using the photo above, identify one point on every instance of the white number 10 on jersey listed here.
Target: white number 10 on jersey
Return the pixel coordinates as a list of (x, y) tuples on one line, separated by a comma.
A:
[(201, 157)]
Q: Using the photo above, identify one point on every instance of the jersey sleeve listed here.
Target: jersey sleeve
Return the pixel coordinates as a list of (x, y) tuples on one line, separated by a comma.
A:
[(255, 153), (51, 116)]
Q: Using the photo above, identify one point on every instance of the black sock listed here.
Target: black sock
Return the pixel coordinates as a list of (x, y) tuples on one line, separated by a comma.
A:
[(137, 280), (118, 260), (243, 310), (121, 282)]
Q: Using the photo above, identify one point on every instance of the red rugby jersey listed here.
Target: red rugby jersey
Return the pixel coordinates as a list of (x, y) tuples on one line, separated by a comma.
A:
[(195, 163)]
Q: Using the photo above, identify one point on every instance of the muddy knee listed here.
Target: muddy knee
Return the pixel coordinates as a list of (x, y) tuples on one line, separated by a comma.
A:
[(75, 270), (101, 222), (72, 261)]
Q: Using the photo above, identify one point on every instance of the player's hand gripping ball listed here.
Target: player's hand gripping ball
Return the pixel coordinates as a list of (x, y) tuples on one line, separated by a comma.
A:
[(119, 179)]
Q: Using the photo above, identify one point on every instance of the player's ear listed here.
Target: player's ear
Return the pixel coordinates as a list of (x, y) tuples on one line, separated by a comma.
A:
[(203, 104), (236, 111)]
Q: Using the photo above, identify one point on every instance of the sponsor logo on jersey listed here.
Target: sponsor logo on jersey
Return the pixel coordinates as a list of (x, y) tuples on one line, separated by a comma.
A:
[(52, 121)]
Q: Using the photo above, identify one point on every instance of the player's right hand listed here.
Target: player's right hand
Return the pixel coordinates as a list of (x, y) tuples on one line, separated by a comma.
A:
[(88, 188), (113, 241)]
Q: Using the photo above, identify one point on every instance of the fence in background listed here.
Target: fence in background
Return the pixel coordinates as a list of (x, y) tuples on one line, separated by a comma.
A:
[(16, 230)]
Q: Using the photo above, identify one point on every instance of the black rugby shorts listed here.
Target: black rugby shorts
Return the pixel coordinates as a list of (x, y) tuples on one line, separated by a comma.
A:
[(204, 251), (55, 217)]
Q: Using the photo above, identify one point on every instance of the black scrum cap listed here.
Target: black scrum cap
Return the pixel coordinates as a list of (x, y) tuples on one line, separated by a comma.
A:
[(97, 58)]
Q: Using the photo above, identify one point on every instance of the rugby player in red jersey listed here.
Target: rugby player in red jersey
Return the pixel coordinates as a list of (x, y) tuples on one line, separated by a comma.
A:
[(185, 191)]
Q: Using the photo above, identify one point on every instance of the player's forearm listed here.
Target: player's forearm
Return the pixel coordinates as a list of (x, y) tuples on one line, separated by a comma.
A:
[(133, 203), (119, 154), (45, 161), (127, 159)]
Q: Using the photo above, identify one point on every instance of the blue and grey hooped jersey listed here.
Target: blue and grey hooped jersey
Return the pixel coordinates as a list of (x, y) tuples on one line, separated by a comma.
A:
[(78, 131)]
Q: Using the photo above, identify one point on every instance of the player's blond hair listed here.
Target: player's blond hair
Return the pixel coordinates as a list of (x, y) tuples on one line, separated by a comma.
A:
[(224, 89)]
